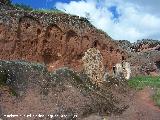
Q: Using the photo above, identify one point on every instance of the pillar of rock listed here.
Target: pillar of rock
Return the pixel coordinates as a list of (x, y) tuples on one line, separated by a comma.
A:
[(118, 69), (126, 70), (93, 65)]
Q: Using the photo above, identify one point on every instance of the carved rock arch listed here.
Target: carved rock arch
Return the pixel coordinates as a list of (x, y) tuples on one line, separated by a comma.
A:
[(29, 30), (52, 44), (96, 44), (73, 43), (53, 30)]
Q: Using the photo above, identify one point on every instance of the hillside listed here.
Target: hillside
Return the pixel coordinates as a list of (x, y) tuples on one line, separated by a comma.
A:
[(57, 66)]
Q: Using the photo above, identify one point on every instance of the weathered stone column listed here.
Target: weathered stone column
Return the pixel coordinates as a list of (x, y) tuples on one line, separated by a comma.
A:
[(126, 70), (93, 65)]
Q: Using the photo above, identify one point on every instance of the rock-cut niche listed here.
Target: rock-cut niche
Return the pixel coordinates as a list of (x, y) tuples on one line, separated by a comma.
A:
[(29, 30), (73, 43), (52, 48)]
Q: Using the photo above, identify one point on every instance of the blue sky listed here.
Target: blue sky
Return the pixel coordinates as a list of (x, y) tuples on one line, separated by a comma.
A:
[(121, 19), (45, 4)]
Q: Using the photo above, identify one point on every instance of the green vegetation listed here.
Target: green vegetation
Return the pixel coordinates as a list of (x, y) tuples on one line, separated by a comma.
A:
[(142, 81), (53, 11), (29, 8), (23, 6)]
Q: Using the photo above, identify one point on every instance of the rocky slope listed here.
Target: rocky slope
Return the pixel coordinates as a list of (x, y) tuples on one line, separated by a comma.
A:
[(60, 95), (145, 56)]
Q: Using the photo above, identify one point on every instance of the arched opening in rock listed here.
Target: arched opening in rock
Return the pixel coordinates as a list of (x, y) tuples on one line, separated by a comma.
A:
[(79, 56), (114, 70), (95, 44), (123, 58), (38, 31), (158, 64), (27, 25), (111, 49), (70, 34), (53, 30)]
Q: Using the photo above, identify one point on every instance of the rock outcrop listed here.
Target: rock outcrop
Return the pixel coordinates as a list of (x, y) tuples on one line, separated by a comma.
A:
[(144, 56), (93, 65), (56, 40)]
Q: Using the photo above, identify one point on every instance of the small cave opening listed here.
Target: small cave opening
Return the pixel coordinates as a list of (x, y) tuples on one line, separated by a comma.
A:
[(114, 70), (95, 44), (70, 34), (111, 49), (61, 37), (123, 58), (79, 56), (27, 25), (117, 51), (38, 31), (32, 42), (158, 64)]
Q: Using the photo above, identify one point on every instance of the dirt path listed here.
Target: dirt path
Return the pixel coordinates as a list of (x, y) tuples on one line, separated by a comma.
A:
[(141, 107)]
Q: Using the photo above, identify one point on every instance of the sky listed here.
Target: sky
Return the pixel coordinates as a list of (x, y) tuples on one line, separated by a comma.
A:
[(121, 19)]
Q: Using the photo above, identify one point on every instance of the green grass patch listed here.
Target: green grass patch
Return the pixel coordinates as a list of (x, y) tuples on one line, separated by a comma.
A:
[(140, 82), (47, 11)]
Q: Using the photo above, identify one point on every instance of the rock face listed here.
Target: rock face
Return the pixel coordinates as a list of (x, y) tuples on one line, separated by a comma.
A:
[(144, 56), (122, 69), (146, 45), (56, 40), (126, 70), (93, 65)]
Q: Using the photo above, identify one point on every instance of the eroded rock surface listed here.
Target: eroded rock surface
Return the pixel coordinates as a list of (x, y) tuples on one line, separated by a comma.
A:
[(93, 65), (56, 40), (144, 56)]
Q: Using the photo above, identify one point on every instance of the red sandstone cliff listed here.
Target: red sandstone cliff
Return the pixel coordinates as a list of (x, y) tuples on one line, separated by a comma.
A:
[(54, 39)]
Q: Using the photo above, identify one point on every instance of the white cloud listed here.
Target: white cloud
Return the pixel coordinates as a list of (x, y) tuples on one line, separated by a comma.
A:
[(135, 21)]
